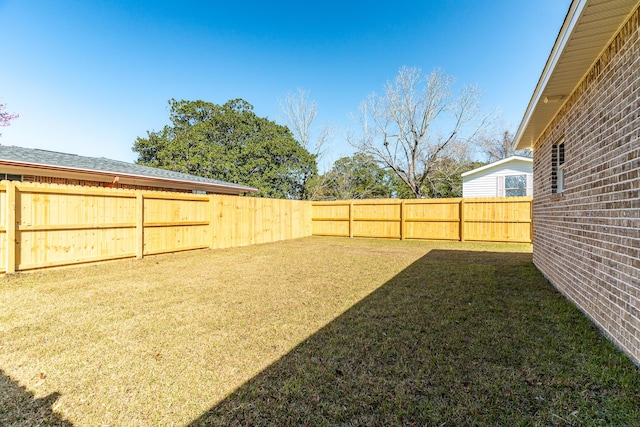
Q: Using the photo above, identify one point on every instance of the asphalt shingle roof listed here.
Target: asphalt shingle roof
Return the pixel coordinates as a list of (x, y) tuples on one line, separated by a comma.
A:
[(36, 156)]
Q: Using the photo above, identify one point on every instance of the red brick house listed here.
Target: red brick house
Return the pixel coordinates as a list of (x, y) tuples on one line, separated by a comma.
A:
[(583, 123)]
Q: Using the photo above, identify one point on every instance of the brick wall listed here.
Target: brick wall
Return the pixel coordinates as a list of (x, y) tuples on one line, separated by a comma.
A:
[(587, 239)]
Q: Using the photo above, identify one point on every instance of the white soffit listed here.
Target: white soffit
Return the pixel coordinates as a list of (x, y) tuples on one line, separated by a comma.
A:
[(587, 30), (512, 159)]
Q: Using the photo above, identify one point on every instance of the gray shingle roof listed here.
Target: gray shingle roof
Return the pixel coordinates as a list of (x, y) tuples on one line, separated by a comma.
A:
[(40, 157)]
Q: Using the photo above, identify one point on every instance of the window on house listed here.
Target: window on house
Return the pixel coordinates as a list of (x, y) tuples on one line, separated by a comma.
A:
[(515, 185), (558, 168)]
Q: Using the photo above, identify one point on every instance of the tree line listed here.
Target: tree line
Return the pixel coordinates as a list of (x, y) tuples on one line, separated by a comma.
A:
[(415, 140)]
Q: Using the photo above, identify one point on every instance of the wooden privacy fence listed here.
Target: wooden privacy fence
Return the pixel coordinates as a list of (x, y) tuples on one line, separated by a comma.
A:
[(46, 225), (506, 219), (43, 225)]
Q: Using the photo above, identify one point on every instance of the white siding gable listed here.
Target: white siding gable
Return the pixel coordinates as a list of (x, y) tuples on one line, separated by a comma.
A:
[(488, 180)]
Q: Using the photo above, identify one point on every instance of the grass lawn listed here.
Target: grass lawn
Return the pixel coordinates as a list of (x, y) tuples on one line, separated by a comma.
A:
[(316, 331)]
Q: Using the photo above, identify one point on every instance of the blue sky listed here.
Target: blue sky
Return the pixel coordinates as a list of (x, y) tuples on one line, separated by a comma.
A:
[(89, 76)]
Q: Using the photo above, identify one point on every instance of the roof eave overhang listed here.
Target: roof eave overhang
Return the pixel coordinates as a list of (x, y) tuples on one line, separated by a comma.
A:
[(571, 58), (134, 179), (511, 159)]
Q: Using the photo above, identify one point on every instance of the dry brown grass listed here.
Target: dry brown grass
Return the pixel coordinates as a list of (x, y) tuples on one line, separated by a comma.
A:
[(161, 340), (315, 331)]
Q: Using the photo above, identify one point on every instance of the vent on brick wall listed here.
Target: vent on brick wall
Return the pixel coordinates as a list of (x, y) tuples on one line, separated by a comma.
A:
[(557, 167)]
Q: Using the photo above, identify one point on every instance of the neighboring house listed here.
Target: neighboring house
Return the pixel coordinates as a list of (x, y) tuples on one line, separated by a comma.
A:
[(34, 165), (508, 177), (583, 123)]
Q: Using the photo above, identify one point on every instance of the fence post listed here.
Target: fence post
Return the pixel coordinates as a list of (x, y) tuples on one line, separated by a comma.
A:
[(351, 219), (531, 222), (212, 218), (402, 220), (139, 224), (462, 220), (254, 219), (11, 227)]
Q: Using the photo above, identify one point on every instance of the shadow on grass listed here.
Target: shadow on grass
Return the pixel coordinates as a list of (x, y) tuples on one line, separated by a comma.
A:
[(18, 407), (457, 338)]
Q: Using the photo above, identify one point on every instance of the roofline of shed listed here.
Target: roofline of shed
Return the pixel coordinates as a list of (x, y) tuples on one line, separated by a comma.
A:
[(497, 163), (233, 188)]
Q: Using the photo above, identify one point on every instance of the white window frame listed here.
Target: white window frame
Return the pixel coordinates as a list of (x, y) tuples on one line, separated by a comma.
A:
[(506, 189)]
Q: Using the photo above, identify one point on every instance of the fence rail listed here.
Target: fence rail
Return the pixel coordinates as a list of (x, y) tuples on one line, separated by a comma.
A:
[(46, 225), (507, 219)]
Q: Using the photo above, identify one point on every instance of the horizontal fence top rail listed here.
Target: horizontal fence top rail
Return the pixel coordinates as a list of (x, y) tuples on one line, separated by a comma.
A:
[(421, 201), (52, 188), (177, 196), (52, 227), (331, 203), (29, 187), (496, 199), (432, 201), (175, 223)]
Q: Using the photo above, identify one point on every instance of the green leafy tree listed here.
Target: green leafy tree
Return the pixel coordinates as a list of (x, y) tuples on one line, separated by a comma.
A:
[(445, 181), (230, 143), (354, 177)]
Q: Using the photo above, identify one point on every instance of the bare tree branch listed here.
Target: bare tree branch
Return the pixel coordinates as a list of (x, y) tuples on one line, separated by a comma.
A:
[(500, 147), (400, 128), (299, 116)]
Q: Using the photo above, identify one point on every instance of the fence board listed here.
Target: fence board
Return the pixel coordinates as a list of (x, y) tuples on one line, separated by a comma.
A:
[(58, 225), (233, 222), (498, 219), (37, 249), (301, 224), (10, 226), (330, 218), (492, 219), (165, 239), (3, 226), (242, 221), (376, 218), (43, 225), (433, 219), (175, 222)]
